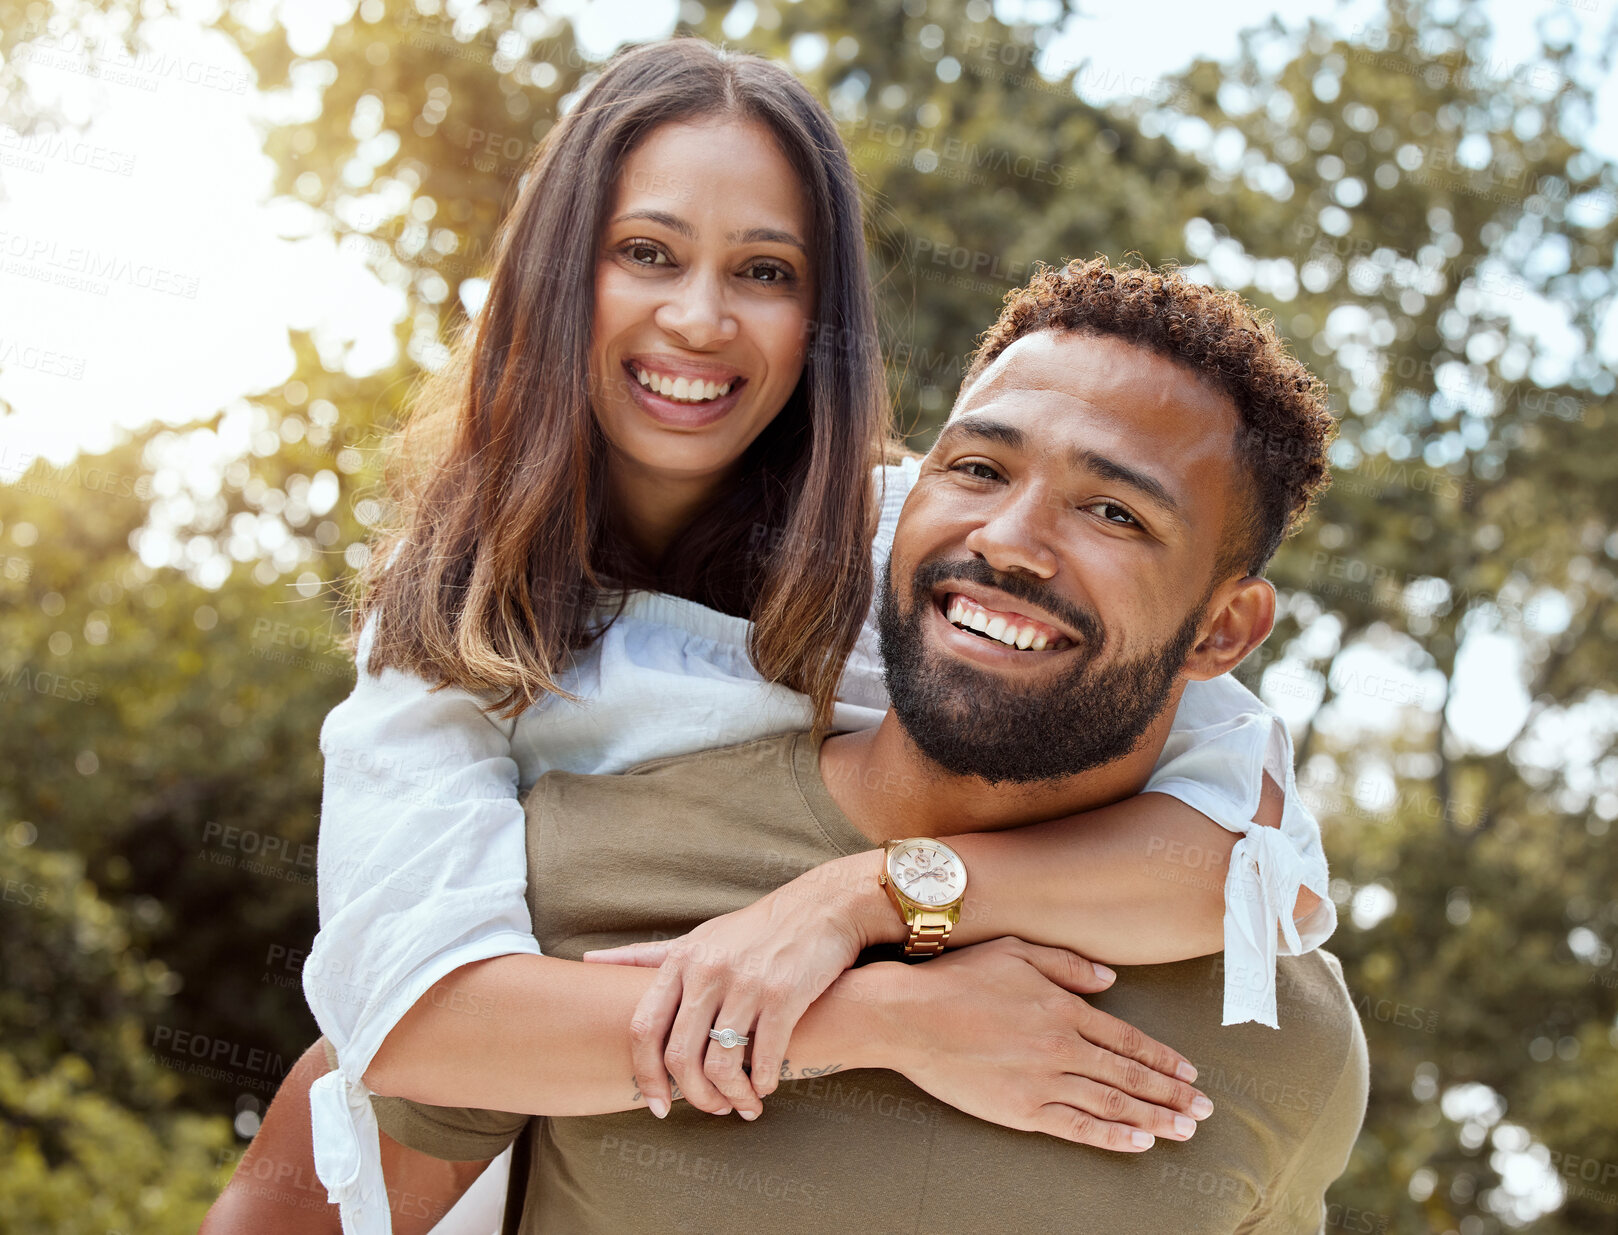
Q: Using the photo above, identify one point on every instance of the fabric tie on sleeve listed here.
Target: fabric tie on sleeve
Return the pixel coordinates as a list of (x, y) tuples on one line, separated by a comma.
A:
[(1261, 889), (343, 1127)]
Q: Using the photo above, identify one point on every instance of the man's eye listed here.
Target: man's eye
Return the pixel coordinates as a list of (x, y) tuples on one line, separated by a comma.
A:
[(1113, 513), (978, 469)]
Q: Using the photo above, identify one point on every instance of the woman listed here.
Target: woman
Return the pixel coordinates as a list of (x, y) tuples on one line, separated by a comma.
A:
[(638, 448)]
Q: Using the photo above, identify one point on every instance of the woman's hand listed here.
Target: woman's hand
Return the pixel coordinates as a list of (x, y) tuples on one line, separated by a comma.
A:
[(998, 1030), (754, 971)]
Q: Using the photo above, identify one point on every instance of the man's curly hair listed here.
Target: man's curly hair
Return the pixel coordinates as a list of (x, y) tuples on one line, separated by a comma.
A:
[(1284, 425)]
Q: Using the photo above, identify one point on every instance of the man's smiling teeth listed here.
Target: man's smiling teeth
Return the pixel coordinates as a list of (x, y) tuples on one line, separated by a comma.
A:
[(681, 389), (1013, 633)]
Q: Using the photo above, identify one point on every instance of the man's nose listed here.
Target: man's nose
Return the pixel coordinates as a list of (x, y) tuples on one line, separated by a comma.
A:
[(697, 313), (1016, 537)]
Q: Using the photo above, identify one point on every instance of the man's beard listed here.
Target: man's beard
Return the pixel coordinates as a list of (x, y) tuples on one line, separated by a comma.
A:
[(971, 722)]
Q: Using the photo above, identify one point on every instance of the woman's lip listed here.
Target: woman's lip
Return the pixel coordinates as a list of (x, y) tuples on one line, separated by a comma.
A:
[(682, 415), (684, 368), (977, 647)]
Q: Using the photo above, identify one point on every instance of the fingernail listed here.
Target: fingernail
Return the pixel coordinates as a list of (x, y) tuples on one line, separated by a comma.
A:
[(750, 1116), (1186, 1072), (1105, 974), (1184, 1126), (1143, 1140), (726, 1111), (1201, 1107), (660, 1108)]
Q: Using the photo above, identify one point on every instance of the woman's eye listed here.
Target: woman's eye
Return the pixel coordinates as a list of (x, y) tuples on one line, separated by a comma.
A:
[(644, 254), (768, 272), (1114, 513)]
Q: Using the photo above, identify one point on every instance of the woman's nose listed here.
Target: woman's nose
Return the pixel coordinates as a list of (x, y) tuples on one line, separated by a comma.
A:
[(697, 312)]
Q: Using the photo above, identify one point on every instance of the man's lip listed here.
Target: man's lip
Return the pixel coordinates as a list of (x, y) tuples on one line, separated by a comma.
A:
[(673, 366), (993, 598), (972, 646)]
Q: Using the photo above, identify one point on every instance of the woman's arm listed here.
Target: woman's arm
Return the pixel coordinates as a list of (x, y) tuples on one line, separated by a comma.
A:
[(578, 1016), (1141, 882), (274, 1190), (973, 1028)]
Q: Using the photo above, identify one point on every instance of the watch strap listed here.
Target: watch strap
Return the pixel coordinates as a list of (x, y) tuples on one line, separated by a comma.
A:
[(929, 932)]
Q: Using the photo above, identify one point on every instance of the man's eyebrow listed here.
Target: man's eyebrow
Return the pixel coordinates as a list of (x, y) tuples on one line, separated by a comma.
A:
[(753, 235), (976, 427), (1121, 473)]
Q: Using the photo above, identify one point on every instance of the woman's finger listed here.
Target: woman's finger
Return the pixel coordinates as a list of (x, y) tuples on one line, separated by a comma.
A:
[(1124, 1039), (1079, 1126), (648, 1036), (686, 1054), (650, 954), (771, 1037), (1113, 1106), (723, 1064), (1139, 1081)]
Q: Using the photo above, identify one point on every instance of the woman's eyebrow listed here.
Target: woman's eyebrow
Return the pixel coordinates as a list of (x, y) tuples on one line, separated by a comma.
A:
[(767, 235), (671, 221), (752, 235)]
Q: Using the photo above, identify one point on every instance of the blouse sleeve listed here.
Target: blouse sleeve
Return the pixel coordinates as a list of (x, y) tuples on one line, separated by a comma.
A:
[(1223, 741), (422, 868)]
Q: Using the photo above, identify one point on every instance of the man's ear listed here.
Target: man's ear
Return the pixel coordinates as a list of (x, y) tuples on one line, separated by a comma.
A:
[(1239, 619)]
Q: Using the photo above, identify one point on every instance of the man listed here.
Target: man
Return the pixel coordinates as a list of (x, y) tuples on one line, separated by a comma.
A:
[(1110, 478)]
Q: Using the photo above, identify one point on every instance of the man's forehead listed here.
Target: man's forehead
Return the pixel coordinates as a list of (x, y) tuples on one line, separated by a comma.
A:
[(1105, 371)]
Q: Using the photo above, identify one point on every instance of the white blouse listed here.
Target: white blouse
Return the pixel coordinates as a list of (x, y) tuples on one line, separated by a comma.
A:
[(422, 858)]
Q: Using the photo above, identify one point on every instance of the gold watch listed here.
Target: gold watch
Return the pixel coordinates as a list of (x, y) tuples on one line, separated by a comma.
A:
[(926, 881)]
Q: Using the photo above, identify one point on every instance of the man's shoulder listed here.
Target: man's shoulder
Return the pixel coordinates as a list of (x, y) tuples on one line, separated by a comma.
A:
[(738, 759), (777, 750), (1318, 1021), (1313, 1066), (1313, 1071), (1313, 998)]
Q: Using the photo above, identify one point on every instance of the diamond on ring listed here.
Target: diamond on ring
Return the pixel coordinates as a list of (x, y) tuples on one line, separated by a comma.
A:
[(727, 1037)]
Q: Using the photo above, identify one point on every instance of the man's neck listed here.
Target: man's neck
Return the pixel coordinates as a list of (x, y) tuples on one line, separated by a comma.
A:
[(888, 788)]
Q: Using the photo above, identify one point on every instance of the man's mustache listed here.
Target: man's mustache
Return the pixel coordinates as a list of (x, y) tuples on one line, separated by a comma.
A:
[(975, 570)]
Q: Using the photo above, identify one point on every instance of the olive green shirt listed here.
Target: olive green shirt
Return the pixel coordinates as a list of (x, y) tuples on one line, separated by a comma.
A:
[(656, 851)]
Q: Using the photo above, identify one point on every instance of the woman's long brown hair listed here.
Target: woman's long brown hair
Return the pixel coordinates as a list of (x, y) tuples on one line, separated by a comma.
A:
[(503, 547)]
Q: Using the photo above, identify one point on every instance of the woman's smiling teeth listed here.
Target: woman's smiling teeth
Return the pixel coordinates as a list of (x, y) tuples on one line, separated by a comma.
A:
[(1013, 630), (681, 389)]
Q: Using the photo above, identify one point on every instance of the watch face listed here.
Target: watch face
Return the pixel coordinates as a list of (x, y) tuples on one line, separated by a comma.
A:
[(927, 874)]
